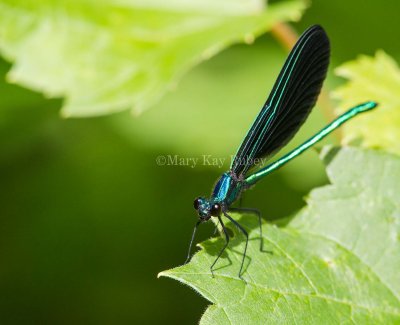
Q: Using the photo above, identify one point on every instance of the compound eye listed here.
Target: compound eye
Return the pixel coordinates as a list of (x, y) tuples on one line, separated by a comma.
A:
[(215, 210), (196, 203)]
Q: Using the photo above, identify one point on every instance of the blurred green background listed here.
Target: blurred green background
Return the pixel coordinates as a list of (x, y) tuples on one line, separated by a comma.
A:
[(88, 219)]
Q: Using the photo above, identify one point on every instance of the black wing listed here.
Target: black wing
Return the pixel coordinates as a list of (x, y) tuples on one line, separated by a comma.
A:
[(290, 101)]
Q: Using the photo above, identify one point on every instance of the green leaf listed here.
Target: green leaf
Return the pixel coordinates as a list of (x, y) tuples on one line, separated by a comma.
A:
[(378, 79), (112, 55), (336, 262)]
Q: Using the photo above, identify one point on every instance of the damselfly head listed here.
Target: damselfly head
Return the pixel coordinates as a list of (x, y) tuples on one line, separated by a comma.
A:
[(206, 208)]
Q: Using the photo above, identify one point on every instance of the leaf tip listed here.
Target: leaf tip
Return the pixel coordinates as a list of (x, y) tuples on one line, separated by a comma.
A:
[(327, 153), (166, 274), (162, 274)]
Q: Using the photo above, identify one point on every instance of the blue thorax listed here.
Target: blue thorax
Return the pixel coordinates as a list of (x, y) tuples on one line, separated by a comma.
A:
[(225, 190)]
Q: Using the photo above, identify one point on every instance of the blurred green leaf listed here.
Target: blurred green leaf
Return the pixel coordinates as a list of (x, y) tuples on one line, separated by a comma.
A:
[(113, 55), (378, 79), (336, 262)]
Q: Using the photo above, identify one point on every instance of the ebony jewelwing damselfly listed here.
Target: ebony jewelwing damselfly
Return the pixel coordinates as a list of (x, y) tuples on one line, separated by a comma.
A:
[(287, 107)]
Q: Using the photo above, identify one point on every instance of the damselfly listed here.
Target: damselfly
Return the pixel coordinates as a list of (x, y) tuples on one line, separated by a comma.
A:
[(287, 107)]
